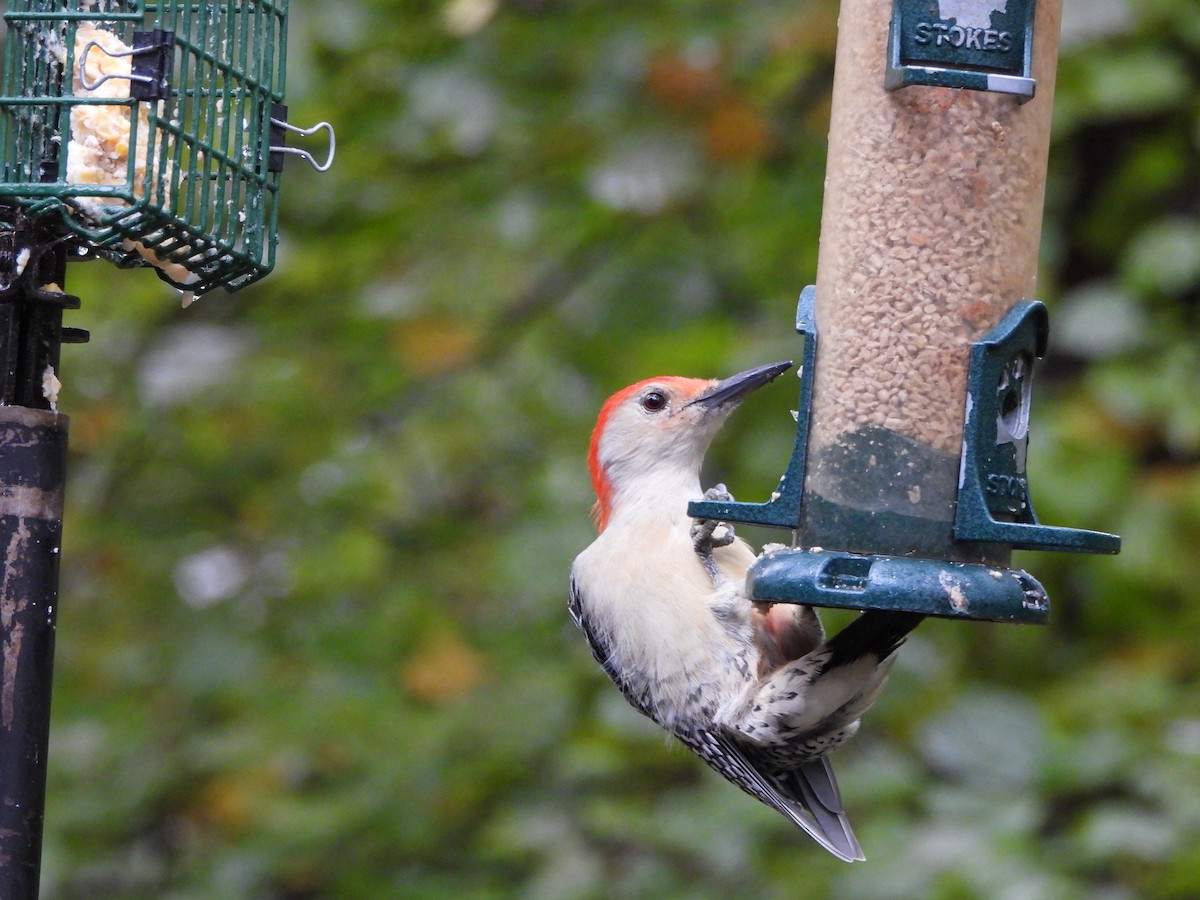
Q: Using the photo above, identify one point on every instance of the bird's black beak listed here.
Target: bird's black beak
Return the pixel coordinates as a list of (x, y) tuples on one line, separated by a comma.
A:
[(736, 387)]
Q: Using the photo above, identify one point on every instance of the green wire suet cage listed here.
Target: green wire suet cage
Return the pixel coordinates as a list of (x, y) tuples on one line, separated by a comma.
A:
[(155, 130)]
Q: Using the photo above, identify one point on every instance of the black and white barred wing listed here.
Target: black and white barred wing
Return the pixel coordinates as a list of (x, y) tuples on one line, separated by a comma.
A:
[(603, 655), (807, 794)]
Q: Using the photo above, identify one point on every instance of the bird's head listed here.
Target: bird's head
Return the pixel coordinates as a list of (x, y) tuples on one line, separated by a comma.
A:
[(651, 437)]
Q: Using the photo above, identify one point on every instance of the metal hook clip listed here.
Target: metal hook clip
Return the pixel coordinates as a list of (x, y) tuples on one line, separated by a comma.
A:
[(281, 125), (92, 85), (150, 70)]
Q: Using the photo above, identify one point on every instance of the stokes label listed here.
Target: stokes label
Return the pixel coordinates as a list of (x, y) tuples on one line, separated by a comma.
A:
[(989, 35), (939, 33)]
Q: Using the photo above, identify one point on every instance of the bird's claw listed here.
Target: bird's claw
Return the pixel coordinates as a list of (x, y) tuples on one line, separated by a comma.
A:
[(710, 533), (705, 535), (704, 531), (718, 493)]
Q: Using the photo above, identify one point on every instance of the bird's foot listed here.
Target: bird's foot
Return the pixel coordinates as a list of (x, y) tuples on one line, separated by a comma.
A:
[(708, 534)]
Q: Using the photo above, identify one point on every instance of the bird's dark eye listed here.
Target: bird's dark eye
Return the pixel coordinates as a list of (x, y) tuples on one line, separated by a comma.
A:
[(654, 401)]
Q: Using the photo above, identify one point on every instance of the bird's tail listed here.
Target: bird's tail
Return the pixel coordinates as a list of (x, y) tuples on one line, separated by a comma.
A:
[(857, 662), (877, 632), (816, 787), (810, 795)]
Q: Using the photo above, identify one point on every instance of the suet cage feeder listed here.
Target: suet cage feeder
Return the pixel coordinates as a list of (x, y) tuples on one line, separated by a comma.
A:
[(149, 134), (907, 488), (155, 131)]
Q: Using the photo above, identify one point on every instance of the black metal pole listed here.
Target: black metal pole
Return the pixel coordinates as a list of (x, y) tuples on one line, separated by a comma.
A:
[(33, 445), (33, 457)]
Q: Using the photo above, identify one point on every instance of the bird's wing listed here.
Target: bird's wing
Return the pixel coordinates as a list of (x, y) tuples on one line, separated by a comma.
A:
[(602, 652), (808, 794)]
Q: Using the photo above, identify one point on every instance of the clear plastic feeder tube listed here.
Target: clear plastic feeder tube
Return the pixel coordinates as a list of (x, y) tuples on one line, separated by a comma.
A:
[(930, 233)]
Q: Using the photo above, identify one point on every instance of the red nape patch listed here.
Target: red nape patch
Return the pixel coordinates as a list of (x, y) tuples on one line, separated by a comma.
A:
[(600, 480), (600, 483)]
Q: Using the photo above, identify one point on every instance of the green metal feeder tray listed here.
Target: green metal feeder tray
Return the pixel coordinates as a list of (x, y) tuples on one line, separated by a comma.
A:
[(155, 130)]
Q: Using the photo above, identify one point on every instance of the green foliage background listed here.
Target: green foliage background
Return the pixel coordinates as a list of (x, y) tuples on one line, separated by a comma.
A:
[(313, 639)]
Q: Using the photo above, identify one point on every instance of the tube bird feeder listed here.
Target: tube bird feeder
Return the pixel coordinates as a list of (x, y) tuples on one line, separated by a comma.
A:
[(907, 488), (149, 134)]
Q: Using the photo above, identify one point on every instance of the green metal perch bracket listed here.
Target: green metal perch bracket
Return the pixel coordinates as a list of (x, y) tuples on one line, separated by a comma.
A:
[(993, 492), (783, 509), (993, 504), (931, 587)]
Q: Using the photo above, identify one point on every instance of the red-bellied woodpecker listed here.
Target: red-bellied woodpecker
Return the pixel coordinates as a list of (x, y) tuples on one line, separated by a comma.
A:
[(753, 689)]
